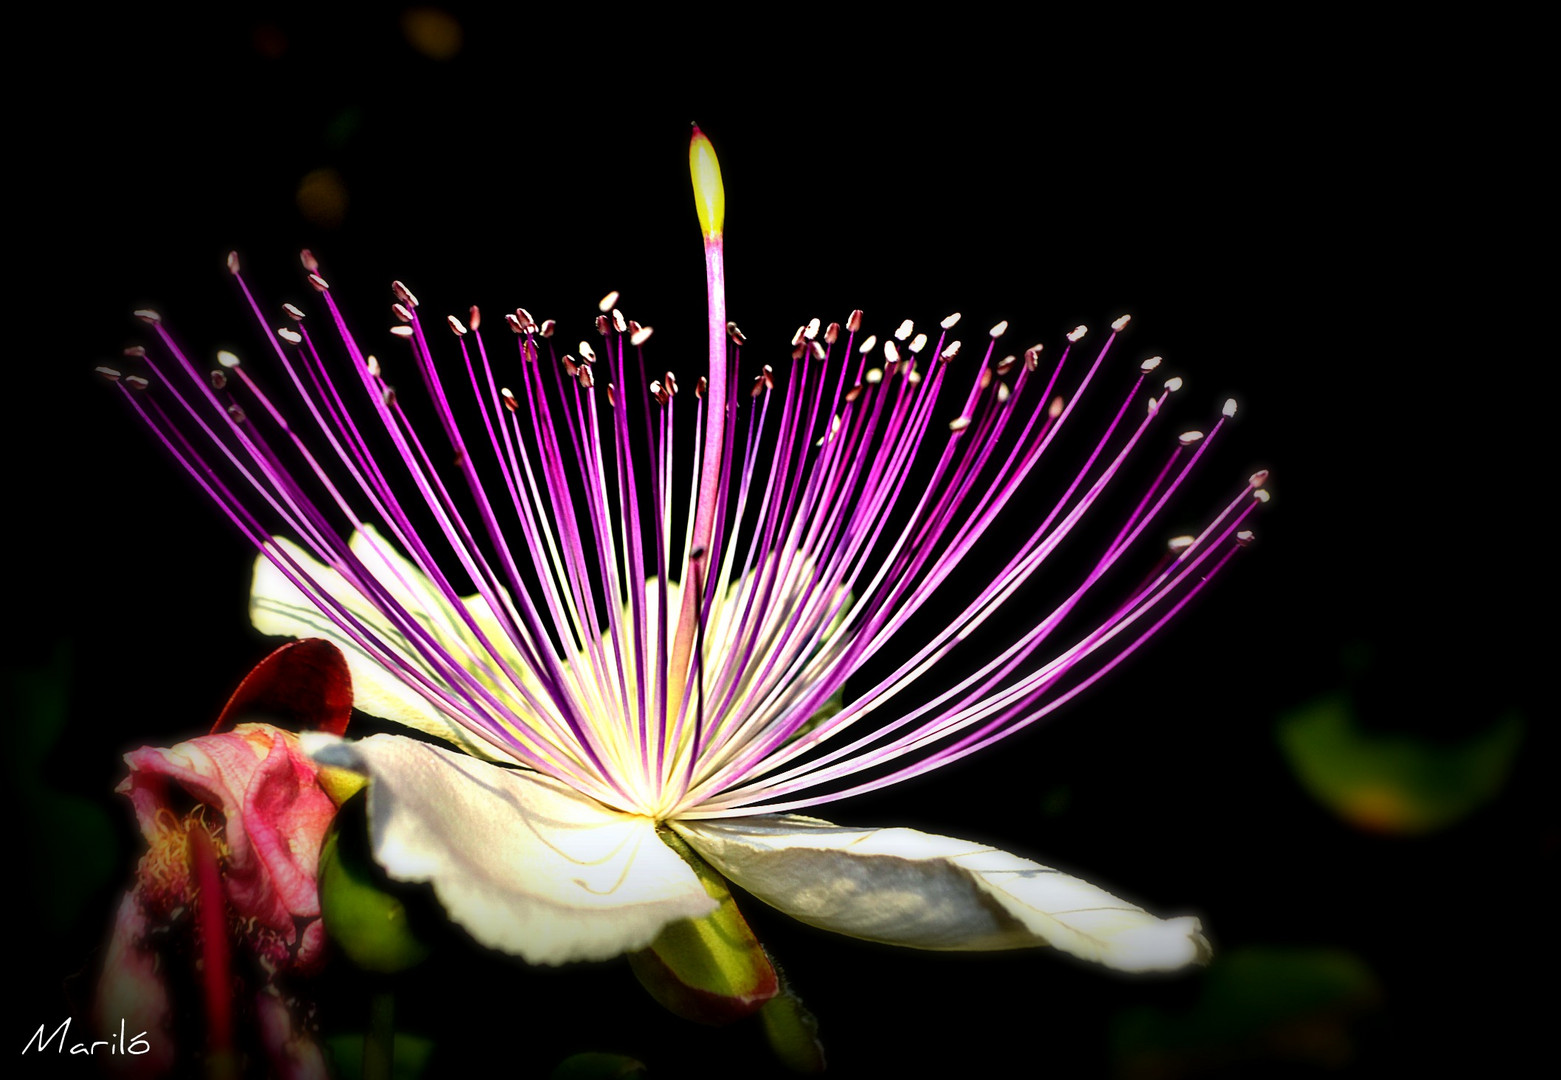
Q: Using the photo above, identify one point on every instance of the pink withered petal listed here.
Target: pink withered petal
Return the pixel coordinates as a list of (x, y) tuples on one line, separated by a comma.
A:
[(132, 991)]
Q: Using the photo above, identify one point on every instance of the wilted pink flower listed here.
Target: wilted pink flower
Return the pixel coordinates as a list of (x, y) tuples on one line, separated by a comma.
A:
[(239, 814)]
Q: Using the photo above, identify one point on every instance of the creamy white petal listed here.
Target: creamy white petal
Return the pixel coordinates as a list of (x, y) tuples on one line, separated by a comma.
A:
[(278, 608), (904, 887), (524, 863)]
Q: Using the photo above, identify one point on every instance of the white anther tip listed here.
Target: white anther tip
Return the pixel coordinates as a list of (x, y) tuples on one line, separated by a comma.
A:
[(1120, 323), (1229, 408), (1150, 364), (1077, 332), (950, 321), (608, 302), (1187, 438)]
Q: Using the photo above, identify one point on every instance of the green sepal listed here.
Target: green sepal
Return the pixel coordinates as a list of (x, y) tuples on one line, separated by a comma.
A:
[(711, 970), (792, 1031), (364, 921)]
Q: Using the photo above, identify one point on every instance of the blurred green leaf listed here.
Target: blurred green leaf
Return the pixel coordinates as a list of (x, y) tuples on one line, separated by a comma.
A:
[(598, 1066), (412, 1055), (1257, 1004), (71, 852), (1394, 783)]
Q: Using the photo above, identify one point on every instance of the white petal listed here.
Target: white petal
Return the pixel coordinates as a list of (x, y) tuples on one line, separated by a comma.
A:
[(278, 608), (904, 887), (521, 861)]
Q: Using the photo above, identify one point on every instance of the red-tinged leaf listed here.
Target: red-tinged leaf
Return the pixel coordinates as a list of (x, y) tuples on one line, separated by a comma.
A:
[(304, 684)]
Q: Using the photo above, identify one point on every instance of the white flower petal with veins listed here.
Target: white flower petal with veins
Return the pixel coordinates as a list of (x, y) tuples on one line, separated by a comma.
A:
[(904, 887), (522, 862)]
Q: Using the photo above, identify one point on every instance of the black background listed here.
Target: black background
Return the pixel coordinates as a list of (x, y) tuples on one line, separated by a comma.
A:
[(1327, 220)]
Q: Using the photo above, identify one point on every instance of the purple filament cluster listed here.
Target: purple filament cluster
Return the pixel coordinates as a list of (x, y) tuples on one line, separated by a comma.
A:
[(832, 535)]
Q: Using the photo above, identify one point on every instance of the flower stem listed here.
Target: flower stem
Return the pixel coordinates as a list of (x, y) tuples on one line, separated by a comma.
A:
[(379, 1042)]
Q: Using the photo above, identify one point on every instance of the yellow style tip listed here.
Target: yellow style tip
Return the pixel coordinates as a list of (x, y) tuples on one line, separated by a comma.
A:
[(709, 193)]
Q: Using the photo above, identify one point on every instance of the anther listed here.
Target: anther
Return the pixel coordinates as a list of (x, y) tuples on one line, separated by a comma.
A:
[(735, 334), (874, 376), (701, 386), (818, 350), (402, 312), (832, 333), (641, 336), (1077, 332), (319, 283), (986, 378), (456, 326), (1259, 478), (1179, 544), (891, 352), (812, 331), (293, 312), (219, 379), (1229, 408), (612, 396), (547, 328), (510, 402), (959, 423), (904, 330), (867, 344), (758, 386), (918, 343), (236, 413), (1119, 324), (999, 330), (148, 316), (1174, 383), (1245, 537), (854, 320), (602, 323), (914, 378), (227, 359), (514, 323), (135, 350), (473, 317), (950, 351), (371, 365), (292, 337), (136, 382), (1006, 364), (1032, 357), (389, 396), (585, 376), (526, 321), (671, 382), (950, 321), (1187, 438), (111, 374), (403, 294), (587, 353), (233, 266), (1054, 410), (310, 263), (1150, 364), (401, 331), (1003, 393), (853, 393), (570, 367), (796, 339), (608, 302), (1261, 495), (619, 323)]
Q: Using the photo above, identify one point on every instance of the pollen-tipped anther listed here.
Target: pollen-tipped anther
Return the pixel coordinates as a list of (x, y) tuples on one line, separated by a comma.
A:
[(608, 302), (1077, 332), (891, 352), (918, 343), (854, 320), (1187, 438), (109, 373), (1259, 478), (403, 294), (1229, 408), (1149, 365), (950, 321), (136, 382), (904, 330), (587, 353), (1054, 410), (1178, 544), (811, 330), (950, 351), (832, 333), (641, 336), (547, 328), (867, 344), (148, 316), (292, 337), (401, 331), (1245, 537), (1262, 495), (959, 423), (227, 359), (1120, 323), (310, 263), (319, 283), (457, 327), (1174, 383), (402, 312), (999, 330), (293, 312), (233, 266), (736, 334)]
